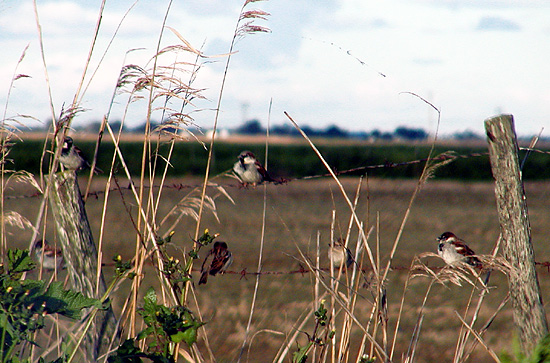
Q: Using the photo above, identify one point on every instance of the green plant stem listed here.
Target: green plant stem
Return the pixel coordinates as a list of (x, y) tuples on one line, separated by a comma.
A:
[(93, 315), (4, 354), (9, 353)]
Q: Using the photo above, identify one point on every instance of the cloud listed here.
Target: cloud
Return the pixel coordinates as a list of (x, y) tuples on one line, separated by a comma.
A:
[(428, 62), (378, 23), (497, 23), (466, 56)]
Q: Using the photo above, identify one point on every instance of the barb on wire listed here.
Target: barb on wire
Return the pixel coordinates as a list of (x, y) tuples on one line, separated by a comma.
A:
[(388, 164), (243, 273)]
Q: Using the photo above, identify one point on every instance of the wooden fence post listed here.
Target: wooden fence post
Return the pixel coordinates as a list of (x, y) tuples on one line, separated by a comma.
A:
[(80, 253), (529, 315)]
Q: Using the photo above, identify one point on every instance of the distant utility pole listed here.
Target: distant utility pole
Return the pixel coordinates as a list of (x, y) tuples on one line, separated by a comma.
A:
[(245, 106)]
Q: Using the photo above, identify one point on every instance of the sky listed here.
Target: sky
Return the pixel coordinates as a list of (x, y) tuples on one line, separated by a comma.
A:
[(352, 63)]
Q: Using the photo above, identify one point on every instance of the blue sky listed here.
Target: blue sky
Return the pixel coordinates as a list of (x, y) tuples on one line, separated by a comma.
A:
[(322, 61)]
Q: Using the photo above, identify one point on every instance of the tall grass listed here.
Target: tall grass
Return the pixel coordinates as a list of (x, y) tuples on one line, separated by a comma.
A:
[(349, 306)]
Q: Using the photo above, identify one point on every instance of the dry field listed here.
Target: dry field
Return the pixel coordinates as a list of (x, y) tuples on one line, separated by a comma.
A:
[(295, 214)]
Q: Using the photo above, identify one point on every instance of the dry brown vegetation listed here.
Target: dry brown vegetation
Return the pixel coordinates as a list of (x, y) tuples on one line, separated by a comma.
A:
[(396, 303), (295, 214)]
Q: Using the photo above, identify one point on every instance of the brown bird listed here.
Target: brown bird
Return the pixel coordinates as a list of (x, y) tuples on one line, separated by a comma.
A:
[(72, 158), (49, 257), (217, 260), (250, 170), (452, 249), (338, 253)]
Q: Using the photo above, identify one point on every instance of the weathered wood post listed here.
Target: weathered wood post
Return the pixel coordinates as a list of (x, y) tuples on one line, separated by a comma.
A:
[(80, 254), (529, 315)]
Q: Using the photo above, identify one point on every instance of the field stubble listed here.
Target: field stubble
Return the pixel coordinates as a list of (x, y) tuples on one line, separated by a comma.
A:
[(296, 212)]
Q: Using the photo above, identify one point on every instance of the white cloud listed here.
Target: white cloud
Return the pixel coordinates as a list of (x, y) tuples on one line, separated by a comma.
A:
[(309, 64), (497, 23)]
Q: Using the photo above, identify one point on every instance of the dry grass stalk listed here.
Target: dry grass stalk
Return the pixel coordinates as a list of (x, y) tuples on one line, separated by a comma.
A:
[(8, 131), (485, 327), (381, 295), (409, 357), (333, 286), (459, 272), (400, 313), (478, 337), (259, 269), (353, 284), (304, 318), (316, 299), (340, 186), (163, 85), (238, 33), (270, 331), (339, 300), (463, 337), (261, 251), (426, 173), (455, 274)]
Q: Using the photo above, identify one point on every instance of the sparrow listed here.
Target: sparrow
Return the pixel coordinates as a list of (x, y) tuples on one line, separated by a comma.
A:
[(338, 253), (49, 257), (217, 260), (250, 170), (72, 157), (452, 249)]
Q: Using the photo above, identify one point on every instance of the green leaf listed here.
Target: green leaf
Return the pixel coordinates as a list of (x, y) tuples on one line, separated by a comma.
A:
[(33, 286), (14, 359), (5, 324), (189, 335), (127, 352), (19, 261), (157, 358), (66, 302), (144, 333), (150, 296), (61, 359), (300, 356), (542, 350), (178, 337)]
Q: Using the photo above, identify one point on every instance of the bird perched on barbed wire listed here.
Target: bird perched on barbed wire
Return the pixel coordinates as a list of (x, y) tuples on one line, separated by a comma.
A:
[(452, 249), (338, 253), (250, 170), (216, 261), (49, 257), (72, 158)]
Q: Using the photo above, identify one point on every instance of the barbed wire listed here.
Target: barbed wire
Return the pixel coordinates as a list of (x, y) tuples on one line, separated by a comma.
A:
[(181, 186), (543, 267), (303, 271), (387, 164), (243, 273)]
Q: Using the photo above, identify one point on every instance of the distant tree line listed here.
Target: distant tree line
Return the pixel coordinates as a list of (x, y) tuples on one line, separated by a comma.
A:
[(254, 127), (93, 127)]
